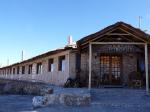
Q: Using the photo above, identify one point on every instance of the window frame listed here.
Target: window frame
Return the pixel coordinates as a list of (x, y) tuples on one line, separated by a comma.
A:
[(30, 69), (14, 71), (51, 65), (18, 70), (61, 63), (39, 68), (23, 69)]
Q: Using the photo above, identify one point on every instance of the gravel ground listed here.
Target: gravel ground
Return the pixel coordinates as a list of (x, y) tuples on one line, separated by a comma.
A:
[(103, 100)]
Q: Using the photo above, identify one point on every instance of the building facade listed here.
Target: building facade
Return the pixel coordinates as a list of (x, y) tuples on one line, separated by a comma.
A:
[(115, 55), (112, 56), (52, 67)]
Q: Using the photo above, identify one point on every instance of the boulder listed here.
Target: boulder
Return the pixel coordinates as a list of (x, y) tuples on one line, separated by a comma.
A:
[(25, 88), (13, 88), (70, 99), (46, 90), (32, 89), (67, 99), (52, 99), (7, 88), (39, 101)]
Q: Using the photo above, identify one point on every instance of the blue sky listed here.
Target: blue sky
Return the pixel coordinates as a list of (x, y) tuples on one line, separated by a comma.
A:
[(37, 26)]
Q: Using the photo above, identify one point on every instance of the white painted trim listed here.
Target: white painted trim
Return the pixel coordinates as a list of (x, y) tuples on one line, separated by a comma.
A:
[(146, 68), (90, 63)]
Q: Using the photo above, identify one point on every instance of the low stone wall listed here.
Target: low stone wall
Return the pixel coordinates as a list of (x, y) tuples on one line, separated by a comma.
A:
[(67, 99), (45, 95), (23, 87)]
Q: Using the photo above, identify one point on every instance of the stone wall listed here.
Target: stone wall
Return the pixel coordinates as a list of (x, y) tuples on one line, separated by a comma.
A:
[(84, 65), (129, 64), (22, 87), (72, 65)]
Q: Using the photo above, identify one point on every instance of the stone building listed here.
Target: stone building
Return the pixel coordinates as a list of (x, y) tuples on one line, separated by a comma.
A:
[(111, 56)]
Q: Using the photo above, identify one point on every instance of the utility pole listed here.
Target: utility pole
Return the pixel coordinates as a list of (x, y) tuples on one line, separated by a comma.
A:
[(140, 18), (22, 54), (7, 61)]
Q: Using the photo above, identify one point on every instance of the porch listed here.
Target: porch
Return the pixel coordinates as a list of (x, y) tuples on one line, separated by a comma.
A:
[(116, 55), (117, 64)]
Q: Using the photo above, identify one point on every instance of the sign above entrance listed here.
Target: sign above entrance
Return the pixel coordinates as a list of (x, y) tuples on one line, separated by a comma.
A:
[(118, 49)]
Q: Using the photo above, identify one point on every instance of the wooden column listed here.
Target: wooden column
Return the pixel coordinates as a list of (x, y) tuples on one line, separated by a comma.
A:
[(90, 63), (146, 68)]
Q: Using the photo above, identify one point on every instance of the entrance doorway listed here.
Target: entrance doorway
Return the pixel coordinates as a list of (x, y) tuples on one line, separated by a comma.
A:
[(110, 69)]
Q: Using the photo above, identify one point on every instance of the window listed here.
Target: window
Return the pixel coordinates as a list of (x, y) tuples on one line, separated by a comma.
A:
[(4, 72), (50, 65), (23, 69), (61, 64), (39, 68), (10, 70), (13, 70), (30, 69), (18, 70), (7, 71)]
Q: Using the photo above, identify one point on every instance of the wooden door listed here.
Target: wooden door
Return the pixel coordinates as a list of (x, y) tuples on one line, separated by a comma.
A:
[(110, 69)]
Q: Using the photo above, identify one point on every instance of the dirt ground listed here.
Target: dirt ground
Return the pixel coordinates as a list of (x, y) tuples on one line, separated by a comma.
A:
[(103, 100)]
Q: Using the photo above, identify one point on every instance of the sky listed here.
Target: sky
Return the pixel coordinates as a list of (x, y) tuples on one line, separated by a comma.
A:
[(38, 26)]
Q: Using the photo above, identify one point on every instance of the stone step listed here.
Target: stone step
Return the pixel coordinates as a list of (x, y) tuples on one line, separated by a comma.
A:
[(112, 86)]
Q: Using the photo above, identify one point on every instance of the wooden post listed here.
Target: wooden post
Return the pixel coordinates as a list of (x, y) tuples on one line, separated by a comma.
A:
[(90, 62), (146, 68), (69, 63)]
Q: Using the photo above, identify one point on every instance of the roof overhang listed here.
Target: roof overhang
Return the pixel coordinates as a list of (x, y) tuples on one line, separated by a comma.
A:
[(119, 29)]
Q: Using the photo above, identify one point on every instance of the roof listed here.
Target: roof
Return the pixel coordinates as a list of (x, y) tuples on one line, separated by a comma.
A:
[(41, 56), (123, 25), (89, 38)]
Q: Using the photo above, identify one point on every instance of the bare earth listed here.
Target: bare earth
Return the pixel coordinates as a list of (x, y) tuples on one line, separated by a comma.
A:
[(103, 100)]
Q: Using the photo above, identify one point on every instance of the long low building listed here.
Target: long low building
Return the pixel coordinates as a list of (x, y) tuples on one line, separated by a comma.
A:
[(52, 67), (116, 55)]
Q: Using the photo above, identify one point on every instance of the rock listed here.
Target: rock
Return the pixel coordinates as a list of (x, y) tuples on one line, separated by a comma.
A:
[(50, 91), (13, 88), (32, 90), (68, 99), (84, 100), (7, 88), (52, 99), (24, 88), (75, 99), (39, 101), (46, 90)]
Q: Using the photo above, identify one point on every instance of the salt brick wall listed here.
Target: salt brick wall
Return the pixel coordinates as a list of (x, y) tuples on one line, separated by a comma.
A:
[(72, 65), (56, 77)]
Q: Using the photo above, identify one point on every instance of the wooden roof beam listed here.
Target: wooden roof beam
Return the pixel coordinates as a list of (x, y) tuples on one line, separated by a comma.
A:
[(116, 34)]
